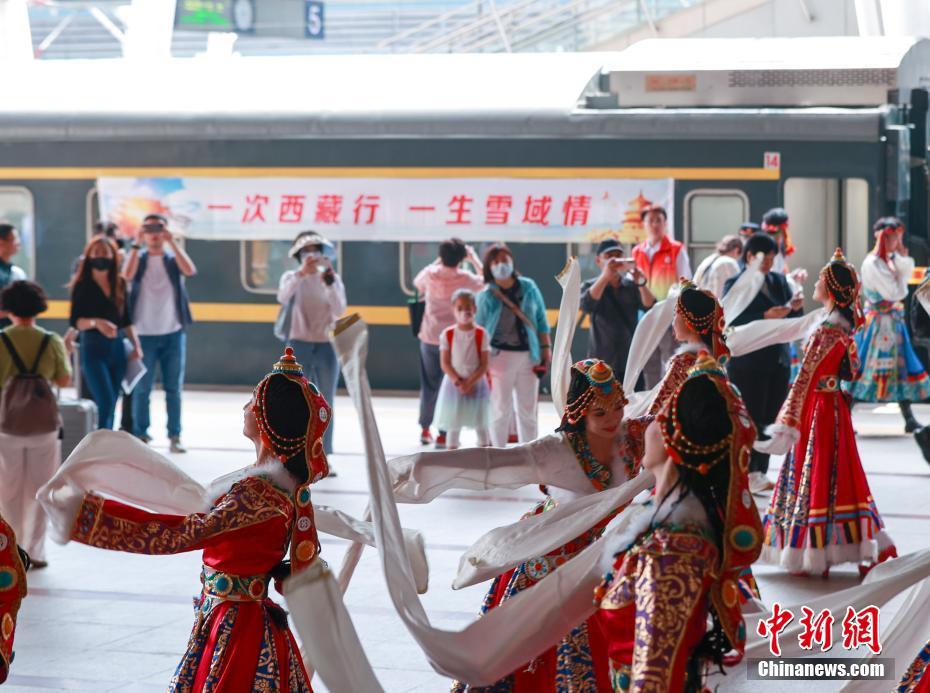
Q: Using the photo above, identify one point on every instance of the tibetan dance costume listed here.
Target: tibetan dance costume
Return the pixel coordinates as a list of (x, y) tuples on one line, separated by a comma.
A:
[(889, 370), (822, 512), (240, 640), (13, 564), (680, 560)]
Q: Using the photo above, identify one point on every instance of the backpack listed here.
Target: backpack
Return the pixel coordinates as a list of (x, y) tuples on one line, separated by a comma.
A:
[(27, 403), (479, 337)]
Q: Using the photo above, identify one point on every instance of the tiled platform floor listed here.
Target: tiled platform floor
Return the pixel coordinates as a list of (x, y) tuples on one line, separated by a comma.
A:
[(100, 621)]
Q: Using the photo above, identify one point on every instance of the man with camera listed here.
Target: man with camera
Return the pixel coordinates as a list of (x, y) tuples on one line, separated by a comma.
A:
[(612, 302), (160, 312)]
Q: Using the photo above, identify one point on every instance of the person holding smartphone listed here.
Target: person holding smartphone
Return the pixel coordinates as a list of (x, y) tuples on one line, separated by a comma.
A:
[(314, 297), (612, 302), (160, 311)]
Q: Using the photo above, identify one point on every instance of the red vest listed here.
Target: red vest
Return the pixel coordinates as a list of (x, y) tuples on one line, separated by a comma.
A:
[(661, 272)]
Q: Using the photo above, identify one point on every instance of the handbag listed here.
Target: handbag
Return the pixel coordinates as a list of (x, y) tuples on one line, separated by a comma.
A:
[(416, 306), (282, 324)]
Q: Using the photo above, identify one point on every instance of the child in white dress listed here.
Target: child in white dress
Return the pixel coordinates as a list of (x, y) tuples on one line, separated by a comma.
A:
[(464, 395)]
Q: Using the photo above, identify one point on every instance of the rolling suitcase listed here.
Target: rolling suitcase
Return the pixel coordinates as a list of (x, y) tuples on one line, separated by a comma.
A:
[(78, 416)]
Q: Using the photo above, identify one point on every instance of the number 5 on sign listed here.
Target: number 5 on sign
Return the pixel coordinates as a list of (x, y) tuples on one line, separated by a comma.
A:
[(314, 27)]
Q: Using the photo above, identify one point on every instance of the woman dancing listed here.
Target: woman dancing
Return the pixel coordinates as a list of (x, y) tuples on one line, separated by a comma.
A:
[(680, 559), (890, 370), (593, 449), (240, 640), (822, 512), (698, 325)]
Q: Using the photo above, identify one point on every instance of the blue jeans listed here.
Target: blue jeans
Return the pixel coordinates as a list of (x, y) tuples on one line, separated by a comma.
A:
[(168, 352), (103, 363), (321, 367)]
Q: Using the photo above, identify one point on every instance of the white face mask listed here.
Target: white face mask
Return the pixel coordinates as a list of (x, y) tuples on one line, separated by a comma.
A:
[(502, 270), (312, 254), (464, 317)]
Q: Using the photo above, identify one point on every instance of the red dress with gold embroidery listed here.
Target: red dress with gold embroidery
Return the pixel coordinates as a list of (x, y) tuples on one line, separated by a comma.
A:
[(240, 640), (654, 611), (579, 662), (822, 512), (12, 593)]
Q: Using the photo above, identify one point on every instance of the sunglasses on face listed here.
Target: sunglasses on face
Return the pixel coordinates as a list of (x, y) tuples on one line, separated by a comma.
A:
[(153, 228)]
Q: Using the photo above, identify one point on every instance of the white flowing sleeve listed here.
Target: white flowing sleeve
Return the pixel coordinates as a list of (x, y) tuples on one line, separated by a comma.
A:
[(570, 281), (758, 334), (743, 291), (646, 337), (726, 268), (505, 547), (422, 477), (119, 465), (878, 277)]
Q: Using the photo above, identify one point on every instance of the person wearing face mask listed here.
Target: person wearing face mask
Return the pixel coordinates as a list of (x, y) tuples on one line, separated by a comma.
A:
[(312, 297), (100, 311), (160, 311), (464, 394), (512, 310)]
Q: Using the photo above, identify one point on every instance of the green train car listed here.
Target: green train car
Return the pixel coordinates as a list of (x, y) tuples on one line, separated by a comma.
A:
[(837, 146)]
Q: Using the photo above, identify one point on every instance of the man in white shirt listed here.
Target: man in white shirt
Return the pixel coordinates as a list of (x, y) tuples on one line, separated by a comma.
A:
[(313, 297), (160, 311)]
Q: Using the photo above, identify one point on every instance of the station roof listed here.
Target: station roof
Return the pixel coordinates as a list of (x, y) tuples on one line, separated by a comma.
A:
[(526, 95)]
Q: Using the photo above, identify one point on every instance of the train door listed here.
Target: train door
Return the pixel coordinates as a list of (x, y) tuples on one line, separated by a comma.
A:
[(709, 214), (826, 213)]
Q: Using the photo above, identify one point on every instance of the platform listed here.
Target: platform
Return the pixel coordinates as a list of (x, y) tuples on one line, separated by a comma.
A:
[(101, 621)]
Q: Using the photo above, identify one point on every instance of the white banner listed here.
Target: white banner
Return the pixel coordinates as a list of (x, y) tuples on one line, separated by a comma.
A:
[(544, 210)]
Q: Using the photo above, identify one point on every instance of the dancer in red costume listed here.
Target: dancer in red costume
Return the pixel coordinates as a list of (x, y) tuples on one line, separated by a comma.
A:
[(917, 677), (240, 640), (680, 558), (698, 325), (13, 565), (822, 512)]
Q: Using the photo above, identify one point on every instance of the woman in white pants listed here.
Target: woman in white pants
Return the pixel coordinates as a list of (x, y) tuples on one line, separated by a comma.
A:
[(512, 311), (28, 461)]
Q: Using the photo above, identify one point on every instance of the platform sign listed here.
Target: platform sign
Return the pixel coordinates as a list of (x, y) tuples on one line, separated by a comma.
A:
[(314, 20), (204, 15), (771, 161), (405, 205)]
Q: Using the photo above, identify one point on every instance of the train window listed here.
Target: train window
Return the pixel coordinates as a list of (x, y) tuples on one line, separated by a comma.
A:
[(711, 214), (414, 256), (263, 263), (17, 208)]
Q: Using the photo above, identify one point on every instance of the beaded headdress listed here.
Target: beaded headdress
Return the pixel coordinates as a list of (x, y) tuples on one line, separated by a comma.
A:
[(706, 319), (742, 528), (885, 228), (603, 389), (784, 243), (304, 543), (843, 290)]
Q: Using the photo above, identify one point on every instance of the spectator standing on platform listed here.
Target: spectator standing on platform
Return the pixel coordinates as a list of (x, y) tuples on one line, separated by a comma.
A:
[(437, 283), (27, 462), (511, 309), (314, 297), (100, 311), (762, 376), (160, 311), (109, 230), (612, 302), (464, 396), (9, 273), (663, 262), (714, 271)]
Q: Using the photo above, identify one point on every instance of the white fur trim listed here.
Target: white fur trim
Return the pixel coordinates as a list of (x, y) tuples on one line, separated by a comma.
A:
[(815, 561)]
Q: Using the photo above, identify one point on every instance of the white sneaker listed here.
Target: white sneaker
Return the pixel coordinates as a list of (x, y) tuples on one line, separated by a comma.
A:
[(759, 483)]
